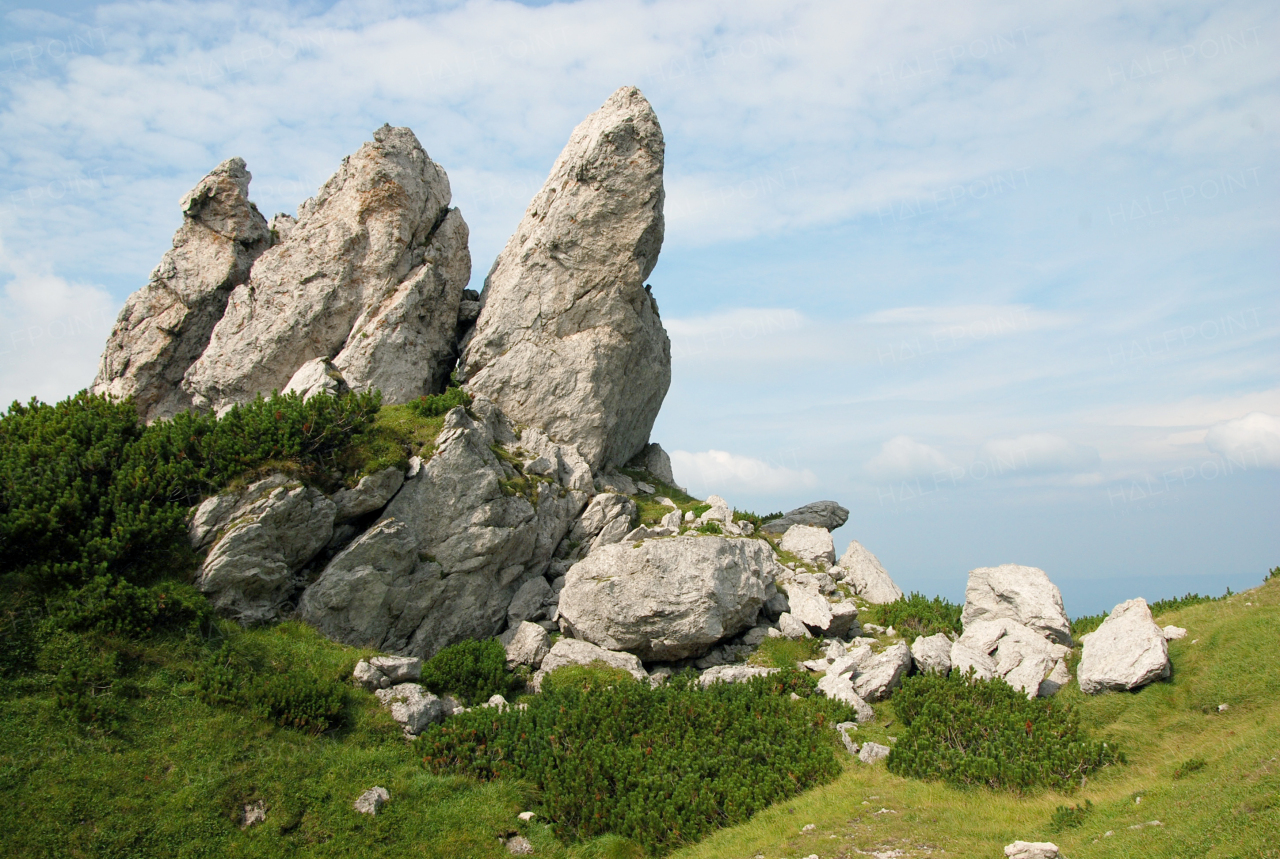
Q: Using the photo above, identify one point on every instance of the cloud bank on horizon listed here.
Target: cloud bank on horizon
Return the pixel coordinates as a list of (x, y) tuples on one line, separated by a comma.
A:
[(986, 275)]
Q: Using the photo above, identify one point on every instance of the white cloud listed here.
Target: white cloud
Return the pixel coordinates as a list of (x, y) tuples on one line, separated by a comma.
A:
[(723, 473), (51, 332), (902, 457), (1037, 453), (1253, 440)]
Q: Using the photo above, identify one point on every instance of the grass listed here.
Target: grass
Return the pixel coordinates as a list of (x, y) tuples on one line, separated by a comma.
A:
[(174, 778), (397, 434), (1229, 806)]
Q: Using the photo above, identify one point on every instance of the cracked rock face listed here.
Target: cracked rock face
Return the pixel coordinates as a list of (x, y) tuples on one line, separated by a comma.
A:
[(569, 338), (370, 276), (166, 325), (453, 547)]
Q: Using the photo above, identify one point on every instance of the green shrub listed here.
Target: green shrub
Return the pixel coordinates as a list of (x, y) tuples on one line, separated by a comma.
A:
[(438, 404), (1069, 817), (473, 671), (86, 491), (968, 732), (1086, 624), (919, 615), (88, 682), (1273, 574), (1187, 767), (784, 653), (659, 766), (295, 699), (712, 527), (115, 606)]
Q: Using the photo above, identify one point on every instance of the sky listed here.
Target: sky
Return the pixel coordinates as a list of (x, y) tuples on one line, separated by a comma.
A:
[(1002, 280)]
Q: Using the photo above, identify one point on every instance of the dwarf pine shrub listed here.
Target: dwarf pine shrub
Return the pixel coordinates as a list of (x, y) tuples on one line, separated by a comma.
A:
[(434, 405), (660, 766), (294, 698), (919, 614), (473, 671), (967, 732)]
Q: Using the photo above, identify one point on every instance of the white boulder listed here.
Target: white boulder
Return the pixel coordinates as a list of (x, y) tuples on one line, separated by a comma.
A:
[(1021, 594), (809, 543), (932, 653), (883, 673), (1127, 651), (863, 572)]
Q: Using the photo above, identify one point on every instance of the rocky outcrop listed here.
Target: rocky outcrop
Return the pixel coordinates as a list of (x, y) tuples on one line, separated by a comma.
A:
[(607, 519), (879, 676), (455, 544), (653, 459), (839, 687), (1023, 657), (668, 599), (1127, 651), (863, 572), (370, 276), (261, 538), (165, 326), (569, 339), (1021, 594), (526, 644), (370, 494), (809, 543), (820, 514)]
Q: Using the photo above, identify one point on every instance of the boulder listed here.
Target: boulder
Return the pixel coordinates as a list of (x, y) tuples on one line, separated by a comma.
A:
[(932, 653), (808, 605), (528, 602), (412, 706), (452, 548), (571, 651), (166, 325), (851, 662), (733, 674), (1060, 676), (272, 529), (809, 543), (863, 572), (882, 673), (398, 669), (1127, 651), (821, 514), (317, 376), (569, 338), (606, 520), (370, 276), (526, 644), (872, 753), (370, 494), (668, 599), (844, 620), (791, 627), (1021, 594), (653, 459), (1021, 656), (1174, 633), (369, 677), (838, 687), (843, 729)]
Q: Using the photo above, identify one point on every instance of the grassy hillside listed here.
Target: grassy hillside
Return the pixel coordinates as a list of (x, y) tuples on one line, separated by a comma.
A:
[(173, 779), (1230, 807)]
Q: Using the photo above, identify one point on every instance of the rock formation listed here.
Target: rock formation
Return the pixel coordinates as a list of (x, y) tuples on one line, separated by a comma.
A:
[(165, 326), (370, 276), (668, 599), (863, 572), (455, 544), (1021, 594), (821, 514), (1023, 657), (569, 338), (1127, 651)]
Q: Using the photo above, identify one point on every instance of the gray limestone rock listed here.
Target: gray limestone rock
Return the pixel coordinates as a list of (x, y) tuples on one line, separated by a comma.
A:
[(606, 520), (452, 547), (839, 687), (1127, 651), (932, 653), (843, 729), (1021, 656), (732, 674), (274, 528), (653, 459), (398, 669), (166, 325), (370, 494), (1021, 594), (873, 753), (791, 627), (883, 673), (317, 376), (1060, 676), (527, 604), (526, 644), (371, 800), (370, 276), (822, 514), (863, 571), (1031, 850), (412, 706), (667, 599), (809, 543), (569, 338)]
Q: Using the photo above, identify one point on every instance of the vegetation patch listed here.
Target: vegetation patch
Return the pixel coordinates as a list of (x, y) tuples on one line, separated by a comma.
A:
[(917, 614), (1069, 816), (658, 766), (1189, 767), (970, 732), (473, 671)]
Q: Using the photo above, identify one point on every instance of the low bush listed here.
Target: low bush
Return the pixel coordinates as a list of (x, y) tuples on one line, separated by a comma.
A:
[(1190, 766), (473, 671), (1069, 816), (295, 699), (712, 527), (115, 606), (918, 614), (968, 732), (435, 405), (659, 766)]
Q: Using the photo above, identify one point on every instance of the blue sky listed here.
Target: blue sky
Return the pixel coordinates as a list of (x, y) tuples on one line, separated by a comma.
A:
[(1002, 280)]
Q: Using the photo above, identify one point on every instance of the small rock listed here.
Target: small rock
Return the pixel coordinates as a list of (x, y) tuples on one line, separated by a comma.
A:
[(873, 752), (369, 677), (790, 627), (1222, 708), (1032, 850), (254, 813), (371, 800), (1173, 633), (398, 669), (518, 845), (843, 729), (526, 816)]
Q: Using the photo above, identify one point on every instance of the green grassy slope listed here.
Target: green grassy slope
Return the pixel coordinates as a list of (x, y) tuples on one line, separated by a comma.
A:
[(175, 777), (1229, 808)]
